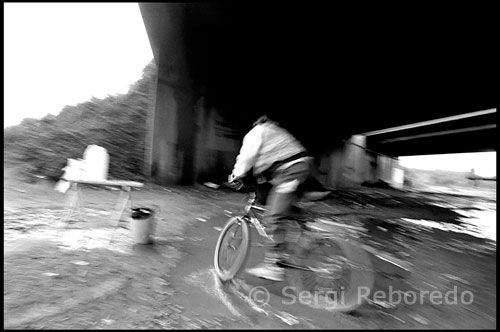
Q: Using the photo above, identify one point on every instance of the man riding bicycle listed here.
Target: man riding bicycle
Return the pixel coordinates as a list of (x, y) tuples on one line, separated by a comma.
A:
[(280, 159)]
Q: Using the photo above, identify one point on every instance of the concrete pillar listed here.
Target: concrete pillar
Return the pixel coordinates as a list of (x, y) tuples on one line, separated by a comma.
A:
[(148, 149), (386, 166), (173, 127), (350, 164), (384, 170), (205, 158), (218, 144), (332, 164), (356, 168)]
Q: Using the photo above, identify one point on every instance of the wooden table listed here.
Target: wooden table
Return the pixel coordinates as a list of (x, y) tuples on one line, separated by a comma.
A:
[(74, 197)]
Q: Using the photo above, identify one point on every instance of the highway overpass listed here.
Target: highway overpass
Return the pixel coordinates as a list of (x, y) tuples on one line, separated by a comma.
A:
[(358, 89)]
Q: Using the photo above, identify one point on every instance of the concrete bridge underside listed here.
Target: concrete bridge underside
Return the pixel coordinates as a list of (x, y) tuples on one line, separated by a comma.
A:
[(324, 75)]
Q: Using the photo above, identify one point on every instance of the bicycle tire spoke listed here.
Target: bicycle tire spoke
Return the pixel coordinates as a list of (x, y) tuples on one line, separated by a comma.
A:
[(229, 257), (230, 246)]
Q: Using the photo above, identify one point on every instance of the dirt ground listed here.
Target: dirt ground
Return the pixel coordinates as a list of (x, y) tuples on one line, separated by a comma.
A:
[(90, 275)]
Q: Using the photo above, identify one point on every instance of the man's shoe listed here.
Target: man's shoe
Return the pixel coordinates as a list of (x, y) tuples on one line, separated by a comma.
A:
[(268, 271)]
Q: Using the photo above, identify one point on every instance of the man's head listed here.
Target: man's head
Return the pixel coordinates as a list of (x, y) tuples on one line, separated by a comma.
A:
[(262, 119)]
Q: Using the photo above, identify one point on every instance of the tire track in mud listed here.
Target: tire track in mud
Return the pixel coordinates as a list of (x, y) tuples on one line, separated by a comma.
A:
[(206, 295), (37, 311)]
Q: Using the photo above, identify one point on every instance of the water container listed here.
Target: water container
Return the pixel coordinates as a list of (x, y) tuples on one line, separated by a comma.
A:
[(142, 225), (96, 163), (74, 170)]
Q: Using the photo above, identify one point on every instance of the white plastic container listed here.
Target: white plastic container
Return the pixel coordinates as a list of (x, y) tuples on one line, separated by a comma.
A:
[(398, 177), (74, 170), (96, 163)]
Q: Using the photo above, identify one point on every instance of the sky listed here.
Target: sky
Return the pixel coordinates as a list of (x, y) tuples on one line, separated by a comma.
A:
[(58, 54), (484, 163)]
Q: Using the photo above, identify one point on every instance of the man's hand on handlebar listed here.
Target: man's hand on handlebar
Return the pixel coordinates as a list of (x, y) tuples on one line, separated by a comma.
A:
[(234, 182)]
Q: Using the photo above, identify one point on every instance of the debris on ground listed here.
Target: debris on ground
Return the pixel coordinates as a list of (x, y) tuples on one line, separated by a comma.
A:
[(50, 274), (419, 319), (455, 278), (212, 185), (77, 275), (80, 263), (390, 315)]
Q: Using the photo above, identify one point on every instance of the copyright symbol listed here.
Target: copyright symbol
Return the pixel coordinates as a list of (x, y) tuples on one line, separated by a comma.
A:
[(259, 296)]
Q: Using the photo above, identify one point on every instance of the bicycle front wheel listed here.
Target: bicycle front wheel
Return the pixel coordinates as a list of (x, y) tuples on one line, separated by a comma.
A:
[(232, 248)]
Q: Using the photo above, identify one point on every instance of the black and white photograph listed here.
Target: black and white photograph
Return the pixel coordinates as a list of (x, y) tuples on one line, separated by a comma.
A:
[(250, 165)]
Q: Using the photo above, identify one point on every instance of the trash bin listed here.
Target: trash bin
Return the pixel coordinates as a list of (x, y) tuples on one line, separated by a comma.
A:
[(143, 223)]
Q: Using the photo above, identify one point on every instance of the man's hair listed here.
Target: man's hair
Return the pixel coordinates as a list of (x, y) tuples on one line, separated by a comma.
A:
[(263, 119)]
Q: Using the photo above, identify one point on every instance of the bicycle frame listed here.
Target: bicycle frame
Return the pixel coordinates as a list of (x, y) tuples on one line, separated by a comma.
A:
[(252, 217), (340, 261), (338, 233)]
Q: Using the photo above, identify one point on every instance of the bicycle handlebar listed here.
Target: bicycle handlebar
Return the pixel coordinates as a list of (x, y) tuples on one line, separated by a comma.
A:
[(237, 185)]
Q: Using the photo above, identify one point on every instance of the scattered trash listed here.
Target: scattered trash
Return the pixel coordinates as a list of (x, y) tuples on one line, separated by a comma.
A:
[(107, 321), (392, 264), (430, 285), (420, 319), (201, 219), (49, 274), (82, 273), (218, 229), (403, 254), (228, 212), (287, 318), (211, 185), (382, 228), (388, 314), (196, 239), (455, 278), (80, 263), (383, 304)]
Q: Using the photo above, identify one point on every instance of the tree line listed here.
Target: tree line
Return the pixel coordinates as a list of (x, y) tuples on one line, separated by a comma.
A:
[(41, 147)]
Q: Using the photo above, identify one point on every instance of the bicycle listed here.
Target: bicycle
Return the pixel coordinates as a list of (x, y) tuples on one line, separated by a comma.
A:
[(324, 260)]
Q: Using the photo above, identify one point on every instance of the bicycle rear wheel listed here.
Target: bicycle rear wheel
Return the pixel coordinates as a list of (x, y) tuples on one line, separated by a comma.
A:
[(336, 273), (232, 248)]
